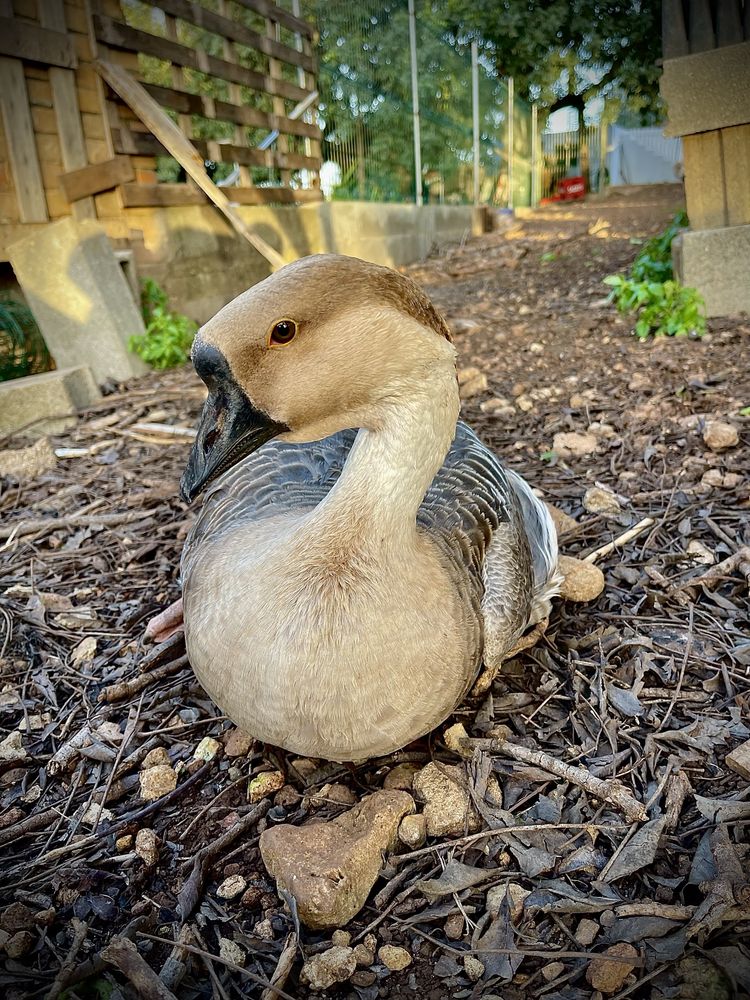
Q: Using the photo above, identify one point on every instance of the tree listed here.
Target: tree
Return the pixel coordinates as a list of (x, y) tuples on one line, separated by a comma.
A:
[(564, 54)]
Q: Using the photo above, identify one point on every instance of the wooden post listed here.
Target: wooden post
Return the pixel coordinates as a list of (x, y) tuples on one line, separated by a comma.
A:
[(235, 96), (279, 108)]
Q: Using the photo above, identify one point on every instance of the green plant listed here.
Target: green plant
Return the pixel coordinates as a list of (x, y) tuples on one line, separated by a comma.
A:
[(663, 308), (166, 342), (22, 347)]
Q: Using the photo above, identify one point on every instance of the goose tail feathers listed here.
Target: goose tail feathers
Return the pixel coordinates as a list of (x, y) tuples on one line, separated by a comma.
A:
[(542, 536)]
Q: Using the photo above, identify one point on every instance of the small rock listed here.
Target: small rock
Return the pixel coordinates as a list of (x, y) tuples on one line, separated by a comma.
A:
[(363, 978), (413, 831), (286, 797), (95, 814), (263, 784), (574, 445), (454, 927), (305, 767), (124, 843), (608, 976), (448, 810), (563, 522), (718, 435), (20, 944), (28, 463), (157, 781), (461, 325), (337, 794), (12, 747), (147, 846), (341, 939), (536, 348), (85, 651), (552, 971), (394, 958), (474, 968), (471, 381), (231, 887), (726, 480), (230, 951), (577, 401), (495, 405), (252, 896), (264, 930), (238, 744), (365, 956), (158, 757), (16, 917), (453, 738), (586, 932), (401, 777), (739, 760), (516, 895), (206, 749), (602, 430), (335, 965), (524, 404), (329, 868), (583, 580), (640, 381), (597, 500), (700, 553), (524, 310)]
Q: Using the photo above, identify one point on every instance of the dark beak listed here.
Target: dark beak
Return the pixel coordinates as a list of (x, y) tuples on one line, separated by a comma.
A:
[(230, 428)]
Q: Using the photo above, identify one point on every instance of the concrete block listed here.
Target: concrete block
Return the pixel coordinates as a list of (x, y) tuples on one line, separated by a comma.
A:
[(80, 298), (707, 90), (717, 263), (46, 399)]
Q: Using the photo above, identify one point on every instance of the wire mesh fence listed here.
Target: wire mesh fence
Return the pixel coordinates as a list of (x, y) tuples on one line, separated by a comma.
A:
[(367, 107)]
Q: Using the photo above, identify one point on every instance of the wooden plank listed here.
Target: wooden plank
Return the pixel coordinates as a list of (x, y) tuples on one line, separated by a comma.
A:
[(272, 158), (19, 133), (133, 40), (229, 51), (65, 103), (163, 195), (239, 114), (736, 149), (183, 151), (227, 28), (128, 142), (97, 177), (673, 34), (728, 22), (704, 180), (273, 30), (267, 8), (701, 28), (35, 44)]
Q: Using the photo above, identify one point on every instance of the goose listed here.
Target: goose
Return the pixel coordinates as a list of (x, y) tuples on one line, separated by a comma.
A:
[(360, 554)]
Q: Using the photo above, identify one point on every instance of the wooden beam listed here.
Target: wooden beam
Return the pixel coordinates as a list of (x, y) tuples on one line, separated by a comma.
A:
[(268, 8), (97, 177), (122, 36), (28, 41), (735, 144), (165, 195), (232, 30), (19, 134), (705, 193), (65, 101), (271, 158), (165, 130)]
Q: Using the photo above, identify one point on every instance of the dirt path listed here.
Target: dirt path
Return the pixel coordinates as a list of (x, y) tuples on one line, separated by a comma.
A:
[(649, 684)]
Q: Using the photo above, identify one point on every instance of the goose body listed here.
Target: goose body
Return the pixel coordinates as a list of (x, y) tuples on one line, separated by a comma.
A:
[(343, 584)]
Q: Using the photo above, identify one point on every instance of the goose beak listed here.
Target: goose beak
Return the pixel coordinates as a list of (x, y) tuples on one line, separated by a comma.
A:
[(230, 428)]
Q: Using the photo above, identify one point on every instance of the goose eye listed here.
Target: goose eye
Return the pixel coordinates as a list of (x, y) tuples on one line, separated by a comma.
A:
[(283, 331)]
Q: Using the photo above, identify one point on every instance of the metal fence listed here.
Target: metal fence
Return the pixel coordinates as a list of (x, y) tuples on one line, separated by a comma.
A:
[(386, 76)]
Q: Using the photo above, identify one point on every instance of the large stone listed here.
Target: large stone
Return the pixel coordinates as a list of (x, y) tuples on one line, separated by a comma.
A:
[(335, 965), (329, 868), (583, 581), (717, 263), (448, 810), (36, 399), (28, 463), (76, 289)]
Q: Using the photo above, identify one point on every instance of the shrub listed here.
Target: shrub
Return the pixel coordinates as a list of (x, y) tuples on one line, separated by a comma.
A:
[(663, 307), (166, 342)]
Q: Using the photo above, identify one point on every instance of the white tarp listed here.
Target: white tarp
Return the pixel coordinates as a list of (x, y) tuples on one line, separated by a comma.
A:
[(643, 156)]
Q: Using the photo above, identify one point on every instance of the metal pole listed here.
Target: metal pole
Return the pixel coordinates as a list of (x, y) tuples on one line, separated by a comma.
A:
[(475, 115), (510, 137), (534, 160), (415, 104)]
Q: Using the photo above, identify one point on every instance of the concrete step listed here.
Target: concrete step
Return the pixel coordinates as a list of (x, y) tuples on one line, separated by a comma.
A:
[(47, 402)]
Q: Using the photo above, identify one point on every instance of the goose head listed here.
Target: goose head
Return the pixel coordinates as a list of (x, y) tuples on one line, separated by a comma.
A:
[(325, 344)]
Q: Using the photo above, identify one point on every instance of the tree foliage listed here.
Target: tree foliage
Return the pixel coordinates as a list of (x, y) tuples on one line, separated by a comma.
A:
[(564, 54)]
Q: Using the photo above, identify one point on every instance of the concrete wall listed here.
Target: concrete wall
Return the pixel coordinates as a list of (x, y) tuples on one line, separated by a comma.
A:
[(202, 264)]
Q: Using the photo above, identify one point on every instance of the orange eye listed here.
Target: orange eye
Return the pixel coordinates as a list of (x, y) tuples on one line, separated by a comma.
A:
[(283, 332)]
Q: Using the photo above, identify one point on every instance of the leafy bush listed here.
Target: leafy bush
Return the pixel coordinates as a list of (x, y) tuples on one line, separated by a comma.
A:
[(663, 307), (22, 347), (166, 342)]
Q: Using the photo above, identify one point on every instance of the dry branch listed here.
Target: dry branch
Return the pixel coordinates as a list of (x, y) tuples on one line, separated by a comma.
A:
[(123, 954), (126, 689)]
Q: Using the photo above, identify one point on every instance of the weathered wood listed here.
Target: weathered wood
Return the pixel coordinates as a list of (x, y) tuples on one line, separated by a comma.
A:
[(195, 104), (271, 158), (132, 39), (227, 28), (128, 142), (273, 30), (65, 103), (163, 195), (707, 90), (181, 149), (704, 180), (728, 22), (267, 8), (673, 32), (19, 134), (701, 26), (35, 44), (735, 144), (97, 177)]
